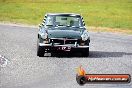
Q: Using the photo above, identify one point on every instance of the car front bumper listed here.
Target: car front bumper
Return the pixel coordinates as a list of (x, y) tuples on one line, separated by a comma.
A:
[(66, 47)]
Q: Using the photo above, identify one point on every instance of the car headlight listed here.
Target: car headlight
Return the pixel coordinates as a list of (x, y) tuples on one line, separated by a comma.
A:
[(85, 35), (44, 35)]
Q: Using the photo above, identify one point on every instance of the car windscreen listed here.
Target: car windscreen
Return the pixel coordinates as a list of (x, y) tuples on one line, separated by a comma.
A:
[(70, 21)]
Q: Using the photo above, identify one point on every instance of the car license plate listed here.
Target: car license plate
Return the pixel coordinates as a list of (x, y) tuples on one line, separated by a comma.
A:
[(65, 48)]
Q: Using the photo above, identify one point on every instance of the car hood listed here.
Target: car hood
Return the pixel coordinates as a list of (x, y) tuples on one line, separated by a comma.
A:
[(71, 33)]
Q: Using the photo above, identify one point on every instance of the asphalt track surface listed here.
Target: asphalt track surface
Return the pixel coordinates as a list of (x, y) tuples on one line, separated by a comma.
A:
[(109, 54)]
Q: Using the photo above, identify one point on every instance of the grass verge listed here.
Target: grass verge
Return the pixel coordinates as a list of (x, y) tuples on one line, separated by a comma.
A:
[(113, 14)]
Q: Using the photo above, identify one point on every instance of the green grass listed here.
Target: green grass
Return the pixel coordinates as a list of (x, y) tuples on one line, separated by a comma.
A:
[(97, 13)]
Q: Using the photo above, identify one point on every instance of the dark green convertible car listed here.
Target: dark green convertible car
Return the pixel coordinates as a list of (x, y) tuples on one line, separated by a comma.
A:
[(62, 32)]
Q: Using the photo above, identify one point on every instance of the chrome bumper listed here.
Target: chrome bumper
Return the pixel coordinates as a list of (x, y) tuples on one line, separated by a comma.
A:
[(66, 45)]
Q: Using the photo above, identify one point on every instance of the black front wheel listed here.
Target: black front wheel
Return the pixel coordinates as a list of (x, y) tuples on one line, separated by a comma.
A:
[(40, 51), (85, 52)]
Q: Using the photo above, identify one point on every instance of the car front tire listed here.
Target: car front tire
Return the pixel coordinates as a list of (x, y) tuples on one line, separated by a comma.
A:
[(85, 52), (40, 50)]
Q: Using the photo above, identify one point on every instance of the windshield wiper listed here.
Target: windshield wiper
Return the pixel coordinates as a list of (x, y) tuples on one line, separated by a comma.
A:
[(49, 25), (59, 25)]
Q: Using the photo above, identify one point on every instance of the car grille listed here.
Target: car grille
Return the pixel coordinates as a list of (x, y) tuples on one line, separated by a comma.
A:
[(63, 41)]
